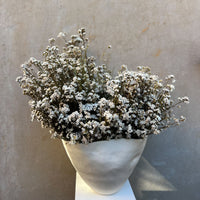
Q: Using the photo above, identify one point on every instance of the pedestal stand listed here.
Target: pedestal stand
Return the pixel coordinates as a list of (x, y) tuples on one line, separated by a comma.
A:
[(84, 192)]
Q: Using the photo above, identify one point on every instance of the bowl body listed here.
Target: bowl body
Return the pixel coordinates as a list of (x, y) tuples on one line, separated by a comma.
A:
[(105, 165)]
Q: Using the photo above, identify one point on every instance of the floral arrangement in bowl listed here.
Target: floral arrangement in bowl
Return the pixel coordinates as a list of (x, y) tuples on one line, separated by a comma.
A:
[(82, 103)]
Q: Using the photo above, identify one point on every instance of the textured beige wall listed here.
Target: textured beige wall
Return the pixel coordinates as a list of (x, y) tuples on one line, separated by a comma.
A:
[(162, 34)]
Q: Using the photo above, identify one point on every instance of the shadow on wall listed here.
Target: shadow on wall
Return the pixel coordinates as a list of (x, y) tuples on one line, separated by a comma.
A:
[(149, 184)]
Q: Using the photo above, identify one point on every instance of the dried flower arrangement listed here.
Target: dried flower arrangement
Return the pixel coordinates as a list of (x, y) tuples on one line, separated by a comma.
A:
[(80, 102)]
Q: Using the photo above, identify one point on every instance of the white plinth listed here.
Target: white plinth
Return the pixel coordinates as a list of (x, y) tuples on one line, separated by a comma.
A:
[(84, 192)]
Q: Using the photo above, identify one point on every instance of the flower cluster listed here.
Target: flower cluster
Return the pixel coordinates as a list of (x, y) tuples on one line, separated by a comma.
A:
[(80, 101)]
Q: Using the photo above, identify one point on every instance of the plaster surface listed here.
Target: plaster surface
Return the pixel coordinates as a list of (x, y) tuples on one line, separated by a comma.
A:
[(161, 34)]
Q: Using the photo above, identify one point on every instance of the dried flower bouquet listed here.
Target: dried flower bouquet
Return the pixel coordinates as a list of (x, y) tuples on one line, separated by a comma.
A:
[(80, 101)]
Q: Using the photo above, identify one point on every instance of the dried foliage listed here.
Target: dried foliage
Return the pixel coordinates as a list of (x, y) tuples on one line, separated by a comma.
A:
[(80, 102)]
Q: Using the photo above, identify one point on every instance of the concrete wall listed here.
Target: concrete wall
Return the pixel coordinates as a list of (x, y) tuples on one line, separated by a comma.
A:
[(162, 34)]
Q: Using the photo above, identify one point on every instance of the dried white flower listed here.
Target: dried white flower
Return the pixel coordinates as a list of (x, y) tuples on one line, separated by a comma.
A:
[(61, 35)]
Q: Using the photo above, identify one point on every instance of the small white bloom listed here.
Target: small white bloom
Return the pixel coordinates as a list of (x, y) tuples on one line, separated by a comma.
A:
[(61, 35)]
